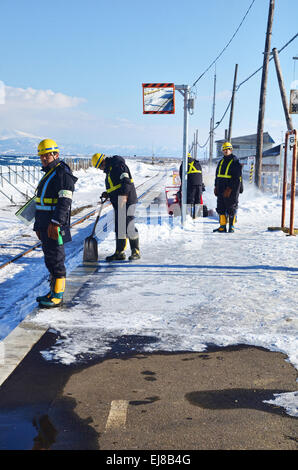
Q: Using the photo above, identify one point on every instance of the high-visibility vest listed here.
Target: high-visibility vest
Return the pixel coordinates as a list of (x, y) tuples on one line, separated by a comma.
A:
[(192, 168), (46, 203), (225, 175), (111, 187)]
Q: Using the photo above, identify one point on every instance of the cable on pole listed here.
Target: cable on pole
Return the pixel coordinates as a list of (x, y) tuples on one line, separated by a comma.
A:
[(260, 68), (244, 81), (227, 45)]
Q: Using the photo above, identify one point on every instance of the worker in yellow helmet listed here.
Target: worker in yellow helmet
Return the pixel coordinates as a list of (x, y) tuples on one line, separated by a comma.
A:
[(120, 189), (195, 185), (228, 184), (52, 218)]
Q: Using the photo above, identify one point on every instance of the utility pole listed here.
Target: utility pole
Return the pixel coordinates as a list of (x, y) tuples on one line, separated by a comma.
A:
[(185, 91), (260, 131), (282, 90), (212, 124), (232, 104), (196, 145)]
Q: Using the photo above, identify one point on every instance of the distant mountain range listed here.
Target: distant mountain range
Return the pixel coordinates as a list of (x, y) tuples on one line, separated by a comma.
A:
[(16, 142)]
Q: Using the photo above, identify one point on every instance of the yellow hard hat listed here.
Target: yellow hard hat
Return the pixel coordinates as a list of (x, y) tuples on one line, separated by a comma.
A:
[(189, 155), (47, 146), (97, 159), (227, 145)]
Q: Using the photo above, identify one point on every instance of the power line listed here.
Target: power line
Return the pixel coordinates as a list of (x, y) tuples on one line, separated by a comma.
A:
[(220, 54), (244, 81), (260, 68)]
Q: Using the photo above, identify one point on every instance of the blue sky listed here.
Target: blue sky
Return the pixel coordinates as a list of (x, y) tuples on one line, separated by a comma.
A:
[(73, 70)]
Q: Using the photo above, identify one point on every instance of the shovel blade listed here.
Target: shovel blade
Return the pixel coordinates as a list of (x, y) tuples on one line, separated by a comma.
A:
[(90, 249)]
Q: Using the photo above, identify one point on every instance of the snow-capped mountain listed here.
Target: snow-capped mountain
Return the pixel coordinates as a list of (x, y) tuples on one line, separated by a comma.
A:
[(17, 142)]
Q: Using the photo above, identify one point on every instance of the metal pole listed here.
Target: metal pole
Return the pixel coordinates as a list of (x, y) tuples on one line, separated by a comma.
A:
[(259, 147), (293, 184), (184, 162), (232, 104), (185, 91), (282, 90), (212, 123), (284, 186)]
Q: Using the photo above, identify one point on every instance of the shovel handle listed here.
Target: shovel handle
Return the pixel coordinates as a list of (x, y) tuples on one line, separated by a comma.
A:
[(97, 218)]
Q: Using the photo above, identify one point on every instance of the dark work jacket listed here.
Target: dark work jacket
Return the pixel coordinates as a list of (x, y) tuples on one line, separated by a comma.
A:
[(119, 181), (49, 195), (229, 175), (194, 172)]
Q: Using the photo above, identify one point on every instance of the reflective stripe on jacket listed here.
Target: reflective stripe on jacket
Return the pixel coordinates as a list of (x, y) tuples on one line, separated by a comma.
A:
[(119, 181), (54, 195), (192, 168), (228, 175), (111, 186)]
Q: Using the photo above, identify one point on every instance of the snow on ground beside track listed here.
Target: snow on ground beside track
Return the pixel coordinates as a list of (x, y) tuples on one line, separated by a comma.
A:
[(191, 288)]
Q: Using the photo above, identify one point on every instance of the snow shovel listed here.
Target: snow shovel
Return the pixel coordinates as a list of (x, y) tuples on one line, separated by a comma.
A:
[(90, 244)]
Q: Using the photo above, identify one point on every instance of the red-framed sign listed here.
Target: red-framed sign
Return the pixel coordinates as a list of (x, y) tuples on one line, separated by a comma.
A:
[(158, 98)]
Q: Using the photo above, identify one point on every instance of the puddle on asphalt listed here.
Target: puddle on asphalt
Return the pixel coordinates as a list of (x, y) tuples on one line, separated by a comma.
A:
[(235, 398), (46, 433), (18, 431)]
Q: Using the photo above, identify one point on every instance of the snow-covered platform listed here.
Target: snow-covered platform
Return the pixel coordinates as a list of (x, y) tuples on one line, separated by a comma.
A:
[(191, 289)]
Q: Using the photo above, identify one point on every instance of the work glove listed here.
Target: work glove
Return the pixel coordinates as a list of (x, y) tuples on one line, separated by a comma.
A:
[(203, 187), (215, 192), (53, 231), (104, 196), (227, 192)]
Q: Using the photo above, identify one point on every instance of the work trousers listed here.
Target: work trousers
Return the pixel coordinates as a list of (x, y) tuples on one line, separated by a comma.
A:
[(194, 194), (54, 255), (226, 206)]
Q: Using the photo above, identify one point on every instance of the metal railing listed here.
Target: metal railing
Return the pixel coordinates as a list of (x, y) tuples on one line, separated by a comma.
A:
[(28, 175)]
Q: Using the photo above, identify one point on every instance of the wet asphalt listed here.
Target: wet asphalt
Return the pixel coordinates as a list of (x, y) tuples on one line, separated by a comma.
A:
[(182, 401)]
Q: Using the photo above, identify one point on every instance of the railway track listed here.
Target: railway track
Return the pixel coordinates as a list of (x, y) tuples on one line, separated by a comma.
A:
[(80, 220)]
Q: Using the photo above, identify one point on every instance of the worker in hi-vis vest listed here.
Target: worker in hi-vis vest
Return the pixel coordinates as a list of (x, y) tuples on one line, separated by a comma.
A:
[(228, 184), (194, 184), (121, 191), (53, 198)]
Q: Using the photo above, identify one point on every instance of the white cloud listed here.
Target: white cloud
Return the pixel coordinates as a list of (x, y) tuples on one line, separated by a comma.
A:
[(46, 99), (47, 113), (2, 92)]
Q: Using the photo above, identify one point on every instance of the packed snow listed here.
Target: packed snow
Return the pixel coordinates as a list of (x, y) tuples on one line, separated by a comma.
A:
[(191, 287)]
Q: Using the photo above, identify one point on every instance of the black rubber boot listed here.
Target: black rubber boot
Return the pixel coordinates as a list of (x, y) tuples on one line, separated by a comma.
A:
[(135, 249), (232, 220), (119, 254)]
